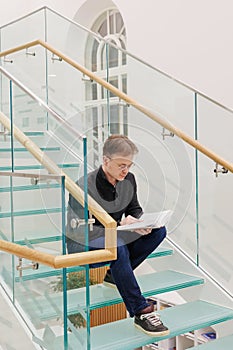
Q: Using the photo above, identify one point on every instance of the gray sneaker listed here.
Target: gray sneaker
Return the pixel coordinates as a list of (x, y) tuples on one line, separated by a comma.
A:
[(151, 324)]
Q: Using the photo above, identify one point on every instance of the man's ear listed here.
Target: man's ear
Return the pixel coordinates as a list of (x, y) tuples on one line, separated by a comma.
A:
[(105, 160)]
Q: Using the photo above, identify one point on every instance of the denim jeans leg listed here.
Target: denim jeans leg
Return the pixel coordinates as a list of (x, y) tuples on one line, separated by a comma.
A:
[(126, 282), (123, 276), (122, 268), (145, 245)]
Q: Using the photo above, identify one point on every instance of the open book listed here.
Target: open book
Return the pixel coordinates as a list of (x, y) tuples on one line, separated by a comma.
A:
[(149, 220)]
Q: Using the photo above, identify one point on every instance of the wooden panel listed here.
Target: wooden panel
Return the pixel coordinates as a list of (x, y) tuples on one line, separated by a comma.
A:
[(108, 313)]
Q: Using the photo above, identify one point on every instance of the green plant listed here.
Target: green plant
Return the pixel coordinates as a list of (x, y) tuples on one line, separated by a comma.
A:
[(73, 280)]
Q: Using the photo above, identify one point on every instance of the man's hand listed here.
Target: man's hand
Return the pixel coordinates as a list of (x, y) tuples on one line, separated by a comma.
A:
[(144, 231), (131, 220)]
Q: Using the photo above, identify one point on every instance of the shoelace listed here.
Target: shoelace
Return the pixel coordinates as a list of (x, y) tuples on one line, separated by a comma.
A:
[(153, 317)]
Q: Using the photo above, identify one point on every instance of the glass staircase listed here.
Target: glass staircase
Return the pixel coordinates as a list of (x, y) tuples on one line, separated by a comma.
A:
[(53, 108)]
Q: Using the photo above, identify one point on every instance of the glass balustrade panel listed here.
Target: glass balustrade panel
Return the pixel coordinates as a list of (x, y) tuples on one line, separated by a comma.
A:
[(168, 97), (29, 67), (78, 282), (215, 193), (31, 117), (32, 287), (28, 28), (5, 95), (66, 36), (37, 222), (164, 166)]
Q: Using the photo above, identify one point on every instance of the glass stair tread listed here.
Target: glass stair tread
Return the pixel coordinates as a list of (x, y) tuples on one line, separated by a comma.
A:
[(23, 149), (150, 284), (225, 343), (179, 319), (29, 133), (28, 187), (44, 272), (35, 133), (34, 238), (32, 166), (161, 251), (100, 295), (30, 212)]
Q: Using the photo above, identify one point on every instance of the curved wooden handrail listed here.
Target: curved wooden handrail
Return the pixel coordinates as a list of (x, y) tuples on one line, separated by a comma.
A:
[(188, 139), (59, 261)]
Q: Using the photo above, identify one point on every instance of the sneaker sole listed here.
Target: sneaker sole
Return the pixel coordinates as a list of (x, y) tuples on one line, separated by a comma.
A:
[(157, 334), (110, 285)]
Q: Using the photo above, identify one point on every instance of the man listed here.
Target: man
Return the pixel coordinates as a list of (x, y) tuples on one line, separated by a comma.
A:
[(115, 189)]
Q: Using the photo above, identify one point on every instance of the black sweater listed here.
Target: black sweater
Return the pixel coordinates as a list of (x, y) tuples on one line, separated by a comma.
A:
[(117, 200)]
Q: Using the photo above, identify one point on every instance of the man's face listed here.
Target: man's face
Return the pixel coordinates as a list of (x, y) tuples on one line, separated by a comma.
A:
[(117, 166)]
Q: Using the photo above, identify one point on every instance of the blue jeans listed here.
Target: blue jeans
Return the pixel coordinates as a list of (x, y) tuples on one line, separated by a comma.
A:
[(129, 256)]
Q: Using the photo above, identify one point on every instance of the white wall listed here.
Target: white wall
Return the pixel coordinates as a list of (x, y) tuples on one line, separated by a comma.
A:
[(190, 40)]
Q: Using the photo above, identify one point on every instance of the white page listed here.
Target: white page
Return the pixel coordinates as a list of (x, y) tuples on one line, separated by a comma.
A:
[(152, 220)]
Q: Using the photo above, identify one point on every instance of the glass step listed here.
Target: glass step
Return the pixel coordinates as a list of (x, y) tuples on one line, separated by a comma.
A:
[(45, 271), (47, 237), (37, 167), (225, 343), (29, 133), (161, 251), (44, 237), (30, 212), (100, 295), (23, 149), (179, 319), (28, 188), (34, 133)]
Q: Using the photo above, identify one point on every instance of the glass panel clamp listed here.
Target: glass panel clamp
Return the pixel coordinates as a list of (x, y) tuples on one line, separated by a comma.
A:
[(164, 133), (55, 58), (37, 180), (5, 132), (7, 60), (28, 53), (76, 222), (223, 170), (20, 267), (87, 79)]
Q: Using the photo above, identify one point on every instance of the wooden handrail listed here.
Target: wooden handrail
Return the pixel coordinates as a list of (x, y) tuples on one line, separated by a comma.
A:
[(188, 139), (59, 261)]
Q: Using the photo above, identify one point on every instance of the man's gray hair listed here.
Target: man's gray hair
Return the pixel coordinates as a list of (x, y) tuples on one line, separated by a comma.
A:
[(119, 144)]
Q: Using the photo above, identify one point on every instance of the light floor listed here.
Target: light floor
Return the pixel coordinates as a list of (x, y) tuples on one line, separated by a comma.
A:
[(12, 333)]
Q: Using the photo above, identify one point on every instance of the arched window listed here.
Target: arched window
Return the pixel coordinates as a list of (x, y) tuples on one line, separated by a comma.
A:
[(105, 114)]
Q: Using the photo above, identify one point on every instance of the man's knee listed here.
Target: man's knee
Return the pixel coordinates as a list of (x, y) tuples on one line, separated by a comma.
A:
[(160, 233)]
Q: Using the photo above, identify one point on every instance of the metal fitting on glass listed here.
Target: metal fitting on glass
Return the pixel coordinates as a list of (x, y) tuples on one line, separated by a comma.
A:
[(7, 60), (164, 134), (55, 58), (76, 222), (20, 267), (4, 133), (37, 180), (123, 103), (85, 78), (222, 170), (30, 53)]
